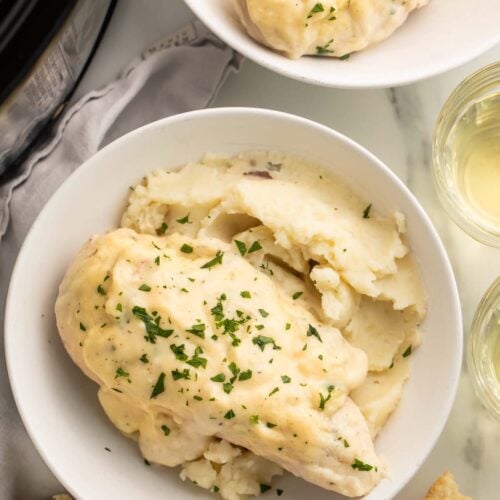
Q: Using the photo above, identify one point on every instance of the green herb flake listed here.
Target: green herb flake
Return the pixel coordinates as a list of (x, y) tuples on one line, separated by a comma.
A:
[(345, 57), (361, 466), (185, 248), (262, 341), (315, 10), (160, 231), (366, 211), (216, 260), (322, 50), (159, 387), (285, 379), (220, 377), (120, 372), (407, 351), (198, 329), (246, 375), (184, 220), (346, 443), (178, 375), (83, 328), (119, 307), (296, 295), (255, 247), (229, 415), (274, 391), (279, 492), (323, 400), (246, 294), (151, 324), (144, 358), (144, 288), (178, 351), (263, 313), (242, 248), (227, 387), (264, 488), (165, 429), (197, 361), (100, 290), (216, 489), (254, 419), (312, 332), (198, 398), (288, 326), (270, 425)]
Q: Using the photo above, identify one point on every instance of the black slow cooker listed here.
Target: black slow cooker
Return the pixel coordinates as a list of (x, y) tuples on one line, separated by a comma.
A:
[(45, 46)]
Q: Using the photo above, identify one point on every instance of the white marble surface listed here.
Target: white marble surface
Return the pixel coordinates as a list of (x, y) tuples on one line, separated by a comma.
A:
[(397, 126)]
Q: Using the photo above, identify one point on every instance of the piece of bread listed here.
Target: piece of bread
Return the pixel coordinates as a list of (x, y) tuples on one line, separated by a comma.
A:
[(445, 488)]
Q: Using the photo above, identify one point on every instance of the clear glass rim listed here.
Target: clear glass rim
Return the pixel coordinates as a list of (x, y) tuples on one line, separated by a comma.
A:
[(473, 86), (481, 377)]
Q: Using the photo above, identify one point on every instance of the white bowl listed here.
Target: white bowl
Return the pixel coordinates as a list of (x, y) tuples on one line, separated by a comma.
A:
[(58, 404), (436, 38)]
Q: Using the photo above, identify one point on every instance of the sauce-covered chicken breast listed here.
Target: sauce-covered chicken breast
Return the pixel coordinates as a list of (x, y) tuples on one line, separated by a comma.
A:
[(329, 28)]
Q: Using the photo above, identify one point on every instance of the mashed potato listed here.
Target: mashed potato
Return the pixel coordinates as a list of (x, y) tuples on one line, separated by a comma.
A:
[(332, 28), (251, 315)]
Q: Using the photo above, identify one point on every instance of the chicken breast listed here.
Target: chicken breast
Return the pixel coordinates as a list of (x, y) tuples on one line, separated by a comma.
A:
[(200, 342), (332, 28)]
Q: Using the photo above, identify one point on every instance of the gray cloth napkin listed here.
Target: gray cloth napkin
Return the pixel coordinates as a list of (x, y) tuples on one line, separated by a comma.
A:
[(180, 73)]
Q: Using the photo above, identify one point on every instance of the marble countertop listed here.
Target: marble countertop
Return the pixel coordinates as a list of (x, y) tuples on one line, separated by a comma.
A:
[(396, 125)]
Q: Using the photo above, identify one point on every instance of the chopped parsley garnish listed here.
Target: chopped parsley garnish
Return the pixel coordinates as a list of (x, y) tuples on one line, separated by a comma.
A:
[(196, 361), (198, 398), (407, 352), (186, 248), (177, 374), (216, 489), (227, 387), (358, 464), (241, 247), (100, 290), (144, 358), (279, 492), (119, 307), (144, 288), (262, 341), (320, 50), (255, 246), (216, 260), (198, 330), (246, 294), (264, 488), (120, 372), (254, 419), (288, 326), (285, 379), (165, 429), (220, 377), (317, 8), (160, 231), (151, 324), (296, 295), (263, 313), (366, 211), (83, 328), (157, 260), (345, 57), (323, 400), (346, 443), (178, 351), (229, 415), (274, 391), (184, 220), (259, 327), (159, 387), (270, 425), (247, 374), (312, 332)]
